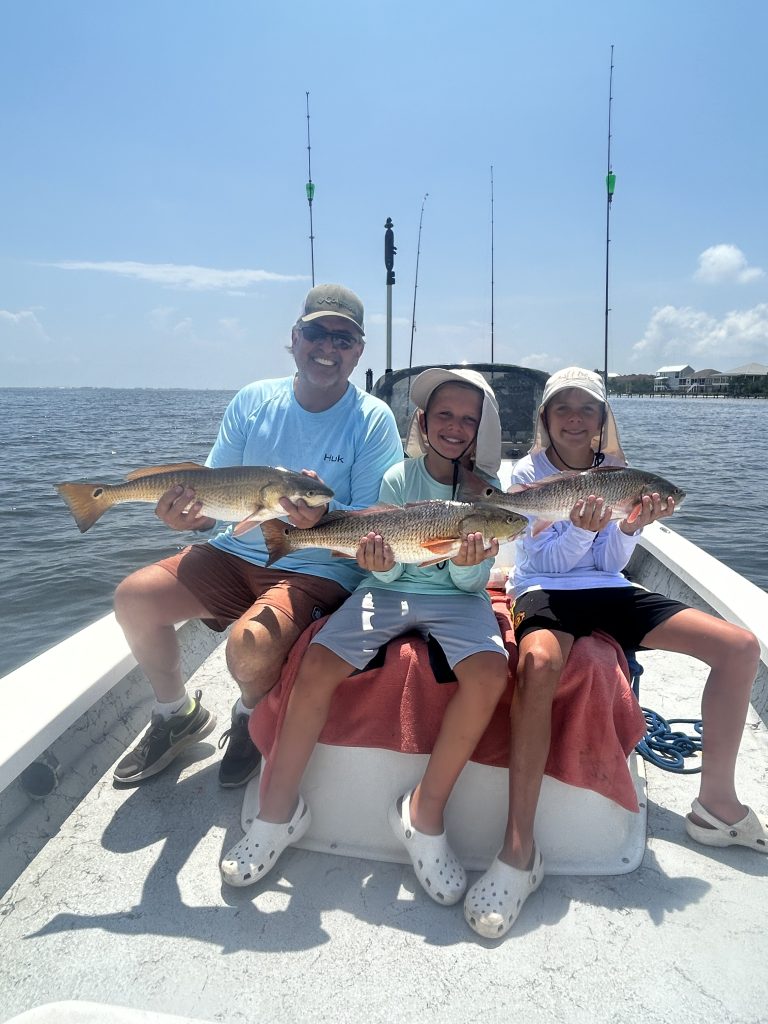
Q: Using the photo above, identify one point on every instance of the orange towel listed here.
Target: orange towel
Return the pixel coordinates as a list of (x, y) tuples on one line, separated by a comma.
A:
[(596, 720)]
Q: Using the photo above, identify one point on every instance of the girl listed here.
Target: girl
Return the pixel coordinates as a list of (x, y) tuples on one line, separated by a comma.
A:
[(568, 581)]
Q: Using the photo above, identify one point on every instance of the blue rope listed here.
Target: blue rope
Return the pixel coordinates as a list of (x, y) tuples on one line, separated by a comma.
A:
[(665, 747)]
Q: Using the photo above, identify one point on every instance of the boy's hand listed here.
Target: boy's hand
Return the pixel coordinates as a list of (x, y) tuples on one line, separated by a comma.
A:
[(374, 554), (473, 551)]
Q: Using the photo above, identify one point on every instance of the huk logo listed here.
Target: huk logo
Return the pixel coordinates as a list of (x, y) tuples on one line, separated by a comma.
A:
[(334, 300), (332, 458)]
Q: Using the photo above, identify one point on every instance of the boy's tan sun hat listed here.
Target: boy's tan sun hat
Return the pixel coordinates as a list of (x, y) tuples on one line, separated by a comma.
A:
[(607, 440), (488, 440)]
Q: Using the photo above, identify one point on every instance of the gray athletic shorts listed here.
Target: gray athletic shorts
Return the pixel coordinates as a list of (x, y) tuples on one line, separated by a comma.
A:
[(462, 624)]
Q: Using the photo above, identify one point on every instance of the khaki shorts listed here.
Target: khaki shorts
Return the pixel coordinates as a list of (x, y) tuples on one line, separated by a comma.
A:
[(462, 624), (230, 587)]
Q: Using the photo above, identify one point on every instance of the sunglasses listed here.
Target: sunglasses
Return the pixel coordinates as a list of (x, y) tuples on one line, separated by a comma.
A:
[(314, 334)]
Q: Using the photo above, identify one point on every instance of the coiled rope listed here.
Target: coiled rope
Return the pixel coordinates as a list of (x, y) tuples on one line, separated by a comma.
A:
[(663, 746)]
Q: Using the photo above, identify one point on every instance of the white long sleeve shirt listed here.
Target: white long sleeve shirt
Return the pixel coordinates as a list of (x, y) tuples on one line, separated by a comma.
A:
[(564, 556)]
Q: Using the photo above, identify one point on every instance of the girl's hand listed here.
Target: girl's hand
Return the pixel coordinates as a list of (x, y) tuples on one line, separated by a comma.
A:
[(651, 509), (374, 554), (473, 551), (591, 514)]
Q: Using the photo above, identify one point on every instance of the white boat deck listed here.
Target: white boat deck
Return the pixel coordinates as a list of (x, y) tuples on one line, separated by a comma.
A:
[(124, 906)]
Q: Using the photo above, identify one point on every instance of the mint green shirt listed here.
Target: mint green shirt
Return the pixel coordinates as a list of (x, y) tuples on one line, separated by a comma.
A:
[(410, 481)]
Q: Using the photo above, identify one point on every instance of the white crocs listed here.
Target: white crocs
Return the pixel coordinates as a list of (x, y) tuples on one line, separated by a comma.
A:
[(437, 867), (495, 900), (259, 849), (748, 832)]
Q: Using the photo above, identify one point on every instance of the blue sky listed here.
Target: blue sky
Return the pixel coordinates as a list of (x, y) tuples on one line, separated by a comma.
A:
[(154, 226)]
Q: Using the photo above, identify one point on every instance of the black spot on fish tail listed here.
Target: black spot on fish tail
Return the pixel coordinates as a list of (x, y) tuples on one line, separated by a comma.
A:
[(276, 537)]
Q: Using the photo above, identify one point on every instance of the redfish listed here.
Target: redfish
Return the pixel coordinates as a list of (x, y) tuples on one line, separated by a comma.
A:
[(246, 495), (420, 533), (552, 498)]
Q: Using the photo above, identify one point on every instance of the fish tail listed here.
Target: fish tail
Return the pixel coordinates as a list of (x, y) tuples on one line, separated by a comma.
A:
[(87, 502), (472, 487), (276, 537)]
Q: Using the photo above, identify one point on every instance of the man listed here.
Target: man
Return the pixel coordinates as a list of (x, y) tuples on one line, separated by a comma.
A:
[(315, 420)]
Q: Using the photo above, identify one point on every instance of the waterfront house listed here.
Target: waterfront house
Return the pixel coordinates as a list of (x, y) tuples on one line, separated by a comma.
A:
[(739, 379), (668, 378)]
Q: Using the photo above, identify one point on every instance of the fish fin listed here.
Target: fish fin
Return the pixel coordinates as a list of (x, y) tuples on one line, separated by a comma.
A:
[(539, 525), (551, 479), (276, 534), (343, 514), (635, 513), (173, 467), (83, 501), (440, 547), (432, 561), (250, 522)]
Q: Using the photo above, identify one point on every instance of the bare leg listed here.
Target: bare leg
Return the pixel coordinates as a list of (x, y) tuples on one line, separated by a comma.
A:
[(482, 680), (148, 604), (257, 647), (733, 656), (318, 677), (542, 656)]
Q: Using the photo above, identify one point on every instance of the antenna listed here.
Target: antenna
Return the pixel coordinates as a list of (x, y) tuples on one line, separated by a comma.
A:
[(491, 262), (416, 281), (310, 197), (610, 185)]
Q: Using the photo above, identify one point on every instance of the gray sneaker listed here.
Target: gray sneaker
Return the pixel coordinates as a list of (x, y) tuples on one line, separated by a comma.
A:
[(163, 740)]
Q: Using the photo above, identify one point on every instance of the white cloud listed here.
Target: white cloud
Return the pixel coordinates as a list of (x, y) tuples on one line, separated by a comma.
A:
[(24, 321), (26, 347), (723, 263), (22, 337), (541, 361), (173, 275), (684, 335)]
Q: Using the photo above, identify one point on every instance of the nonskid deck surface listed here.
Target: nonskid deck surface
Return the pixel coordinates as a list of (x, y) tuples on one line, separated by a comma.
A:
[(125, 906)]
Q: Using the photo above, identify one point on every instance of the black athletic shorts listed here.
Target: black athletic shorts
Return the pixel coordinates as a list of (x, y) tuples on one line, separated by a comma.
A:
[(628, 614)]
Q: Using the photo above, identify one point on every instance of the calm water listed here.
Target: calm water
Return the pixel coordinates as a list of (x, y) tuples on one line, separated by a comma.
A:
[(54, 580)]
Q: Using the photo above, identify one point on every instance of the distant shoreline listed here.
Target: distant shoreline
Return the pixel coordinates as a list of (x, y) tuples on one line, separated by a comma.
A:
[(666, 394)]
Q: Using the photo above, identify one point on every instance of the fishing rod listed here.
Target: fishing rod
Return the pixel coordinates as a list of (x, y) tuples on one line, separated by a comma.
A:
[(610, 185), (491, 262), (416, 281), (310, 196), (389, 262)]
